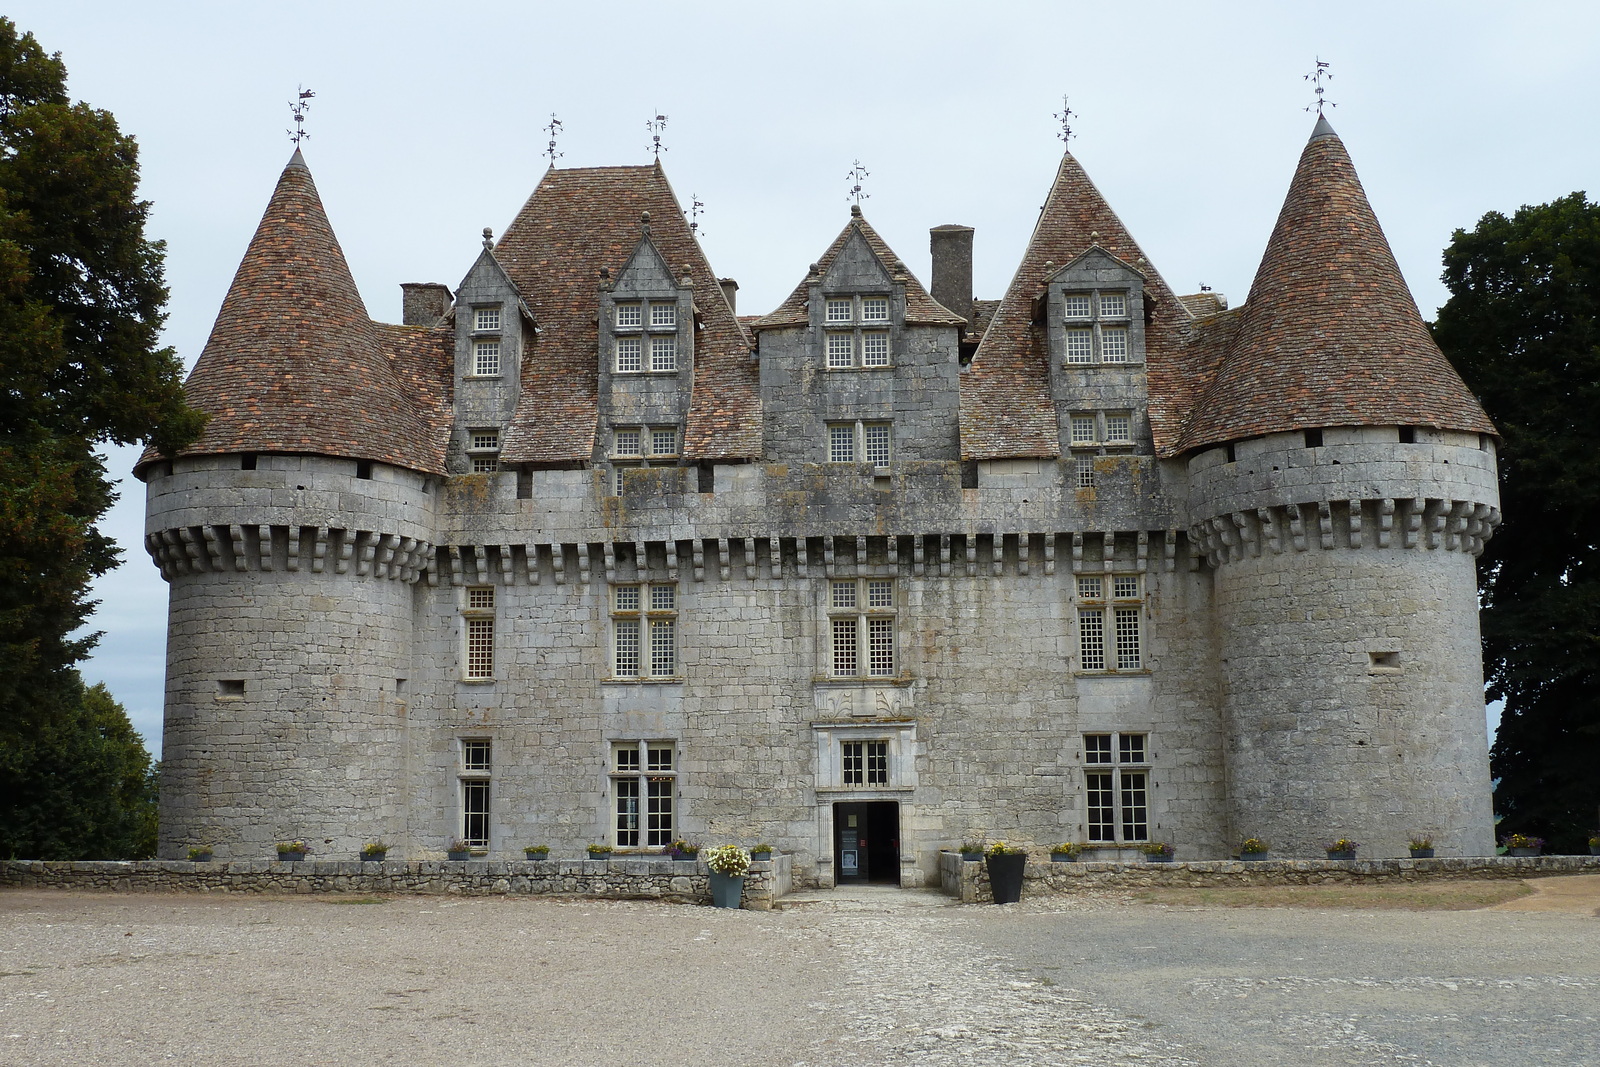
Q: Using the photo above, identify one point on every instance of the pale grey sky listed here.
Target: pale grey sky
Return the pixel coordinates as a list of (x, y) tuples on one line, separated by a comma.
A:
[(426, 128)]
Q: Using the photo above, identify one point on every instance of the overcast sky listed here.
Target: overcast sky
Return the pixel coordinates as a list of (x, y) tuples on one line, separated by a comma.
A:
[(426, 127)]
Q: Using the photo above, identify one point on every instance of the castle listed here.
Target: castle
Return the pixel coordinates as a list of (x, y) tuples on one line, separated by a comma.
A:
[(578, 554)]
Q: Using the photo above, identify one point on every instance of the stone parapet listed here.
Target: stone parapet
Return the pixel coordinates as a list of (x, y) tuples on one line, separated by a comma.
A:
[(970, 881), (635, 879)]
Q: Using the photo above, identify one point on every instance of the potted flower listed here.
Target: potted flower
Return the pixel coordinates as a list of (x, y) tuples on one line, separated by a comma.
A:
[(971, 850), (1006, 866), (599, 852), (374, 852), (291, 851), (1254, 848), (1421, 847), (762, 853), (459, 850), (536, 852), (1341, 849), (1066, 852), (1594, 844), (1157, 851), (729, 864), (1522, 845), (682, 850), (200, 854)]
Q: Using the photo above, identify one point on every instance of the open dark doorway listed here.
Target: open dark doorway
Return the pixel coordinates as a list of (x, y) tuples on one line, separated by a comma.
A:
[(866, 842)]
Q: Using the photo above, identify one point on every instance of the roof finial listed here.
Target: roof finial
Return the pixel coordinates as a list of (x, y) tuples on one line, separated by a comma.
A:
[(550, 148), (1065, 117), (655, 126), (857, 172), (298, 108), (696, 209), (644, 222), (488, 239), (1317, 77)]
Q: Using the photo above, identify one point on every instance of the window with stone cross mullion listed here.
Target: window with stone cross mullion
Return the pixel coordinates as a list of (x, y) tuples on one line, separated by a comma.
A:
[(861, 628)]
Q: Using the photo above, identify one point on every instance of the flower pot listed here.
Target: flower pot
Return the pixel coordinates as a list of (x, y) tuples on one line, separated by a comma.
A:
[(600, 857), (1160, 857), (1251, 857), (1523, 851), (291, 857), (1422, 853), (1594, 850), (1005, 877), (1063, 857), (1341, 854), (373, 857), (459, 857), (203, 857), (971, 857), (726, 890)]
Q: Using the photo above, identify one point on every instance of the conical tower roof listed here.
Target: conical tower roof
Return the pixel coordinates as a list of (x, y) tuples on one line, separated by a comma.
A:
[(1330, 335), (293, 363), (1006, 406)]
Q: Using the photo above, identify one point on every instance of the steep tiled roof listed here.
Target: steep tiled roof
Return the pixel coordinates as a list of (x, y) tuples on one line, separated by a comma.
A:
[(1006, 409), (1204, 305), (576, 222), (293, 363), (1330, 335), (921, 309)]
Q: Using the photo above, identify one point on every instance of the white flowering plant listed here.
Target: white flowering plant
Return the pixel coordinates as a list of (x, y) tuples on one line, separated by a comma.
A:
[(728, 859)]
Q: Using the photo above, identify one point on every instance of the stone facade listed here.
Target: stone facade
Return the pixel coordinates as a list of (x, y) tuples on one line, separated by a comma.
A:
[(860, 578)]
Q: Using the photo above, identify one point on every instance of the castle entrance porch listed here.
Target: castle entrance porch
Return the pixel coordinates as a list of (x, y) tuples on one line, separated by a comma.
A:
[(866, 842)]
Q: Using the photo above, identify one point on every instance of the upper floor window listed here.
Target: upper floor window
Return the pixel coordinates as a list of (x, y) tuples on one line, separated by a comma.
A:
[(860, 442), (629, 315), (861, 614), (646, 336), (644, 623), (1093, 429), (485, 358), (633, 447), (486, 319), (1096, 328), (483, 448), (864, 762), (850, 339), (1110, 622), (478, 620)]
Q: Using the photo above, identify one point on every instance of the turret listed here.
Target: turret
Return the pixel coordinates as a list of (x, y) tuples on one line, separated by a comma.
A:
[(292, 534), (1342, 482)]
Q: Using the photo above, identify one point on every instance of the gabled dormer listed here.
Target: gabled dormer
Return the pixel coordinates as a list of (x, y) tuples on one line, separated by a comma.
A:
[(857, 309), (493, 330), (1093, 312), (647, 324)]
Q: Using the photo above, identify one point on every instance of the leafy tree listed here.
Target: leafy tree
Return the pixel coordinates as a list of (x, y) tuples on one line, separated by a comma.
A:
[(81, 293), (1523, 326)]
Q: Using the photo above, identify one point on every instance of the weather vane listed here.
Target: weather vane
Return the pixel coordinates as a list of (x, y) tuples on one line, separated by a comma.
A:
[(655, 126), (857, 172), (1317, 77), (696, 209), (1065, 117), (550, 148), (299, 108)]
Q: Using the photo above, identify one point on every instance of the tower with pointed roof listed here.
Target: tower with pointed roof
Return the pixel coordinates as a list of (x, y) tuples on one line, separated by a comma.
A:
[(577, 553)]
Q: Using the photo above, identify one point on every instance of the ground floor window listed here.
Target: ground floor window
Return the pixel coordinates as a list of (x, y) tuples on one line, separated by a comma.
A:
[(866, 762), (644, 787), (1117, 787), (476, 766)]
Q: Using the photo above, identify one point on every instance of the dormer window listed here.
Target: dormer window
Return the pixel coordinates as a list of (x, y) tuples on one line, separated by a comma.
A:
[(486, 319), (485, 359), (629, 315), (664, 315), (646, 337), (664, 351), (633, 447), (483, 448), (849, 340), (1095, 327)]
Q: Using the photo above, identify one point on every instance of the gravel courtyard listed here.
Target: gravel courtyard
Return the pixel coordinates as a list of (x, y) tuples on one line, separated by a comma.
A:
[(871, 978)]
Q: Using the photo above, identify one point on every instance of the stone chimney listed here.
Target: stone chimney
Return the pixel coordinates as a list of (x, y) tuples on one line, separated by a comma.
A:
[(730, 289), (952, 268), (423, 303)]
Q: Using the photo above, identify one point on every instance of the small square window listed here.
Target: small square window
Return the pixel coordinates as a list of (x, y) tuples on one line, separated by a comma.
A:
[(1113, 306), (663, 314), (486, 318), (1114, 344), (628, 315), (874, 309), (485, 464), (1080, 346), (1091, 588), (841, 350), (1075, 307), (664, 442), (1083, 429), (626, 443), (480, 598), (1097, 748), (838, 311), (875, 349), (483, 440), (663, 353), (1119, 429), (663, 598), (629, 352), (627, 759), (842, 444), (880, 594), (486, 358), (844, 594), (1125, 586), (659, 758), (1131, 748), (475, 756)]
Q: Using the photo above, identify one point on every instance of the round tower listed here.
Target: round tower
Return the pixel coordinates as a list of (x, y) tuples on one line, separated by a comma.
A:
[(1342, 484), (292, 535)]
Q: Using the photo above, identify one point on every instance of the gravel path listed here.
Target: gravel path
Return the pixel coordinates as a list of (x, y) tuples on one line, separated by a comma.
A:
[(882, 979)]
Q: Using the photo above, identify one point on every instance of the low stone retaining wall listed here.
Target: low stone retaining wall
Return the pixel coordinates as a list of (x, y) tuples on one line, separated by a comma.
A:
[(970, 881), (631, 879)]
